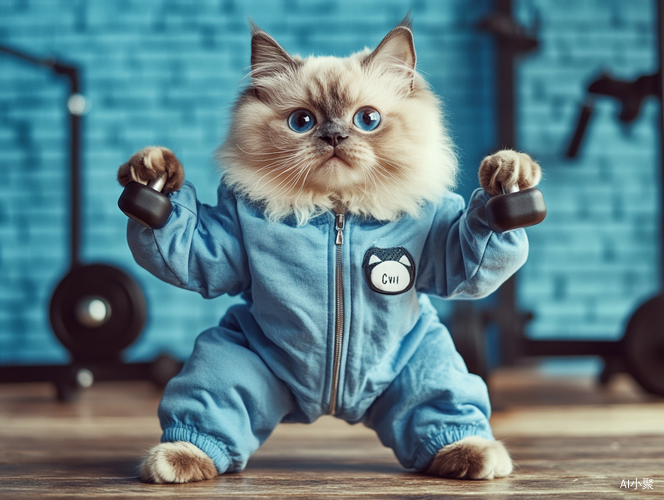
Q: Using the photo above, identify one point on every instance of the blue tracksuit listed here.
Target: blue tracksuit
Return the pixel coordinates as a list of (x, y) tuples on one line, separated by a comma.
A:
[(335, 321)]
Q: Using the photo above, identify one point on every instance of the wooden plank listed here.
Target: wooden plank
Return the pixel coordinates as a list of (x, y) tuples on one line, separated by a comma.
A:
[(623, 420), (90, 450)]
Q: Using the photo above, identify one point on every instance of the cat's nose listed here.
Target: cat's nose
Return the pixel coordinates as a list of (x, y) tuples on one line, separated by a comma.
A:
[(333, 139)]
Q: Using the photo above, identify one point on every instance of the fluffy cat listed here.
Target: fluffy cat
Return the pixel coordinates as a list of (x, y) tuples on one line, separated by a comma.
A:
[(303, 141), (406, 162)]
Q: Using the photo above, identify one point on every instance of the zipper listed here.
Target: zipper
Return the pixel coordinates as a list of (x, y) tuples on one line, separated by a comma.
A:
[(339, 224)]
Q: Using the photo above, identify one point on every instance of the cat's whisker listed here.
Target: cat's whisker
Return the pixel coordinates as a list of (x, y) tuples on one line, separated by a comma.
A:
[(304, 173), (367, 178), (275, 162), (285, 160), (304, 181), (386, 171), (398, 166), (378, 178), (275, 165), (368, 175), (259, 185), (364, 174), (284, 169), (277, 147), (403, 169), (280, 187), (264, 154), (272, 170), (296, 169)]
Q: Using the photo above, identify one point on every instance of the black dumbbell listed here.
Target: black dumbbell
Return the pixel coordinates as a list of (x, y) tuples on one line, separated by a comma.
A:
[(515, 209), (146, 204)]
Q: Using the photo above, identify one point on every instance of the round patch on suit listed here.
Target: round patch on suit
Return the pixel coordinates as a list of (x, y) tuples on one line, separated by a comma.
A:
[(390, 271)]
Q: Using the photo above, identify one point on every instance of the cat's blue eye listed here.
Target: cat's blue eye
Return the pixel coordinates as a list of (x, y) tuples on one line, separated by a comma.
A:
[(367, 119), (301, 121)]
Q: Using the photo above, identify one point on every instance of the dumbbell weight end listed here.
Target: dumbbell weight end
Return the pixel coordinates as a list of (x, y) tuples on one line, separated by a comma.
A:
[(515, 210), (145, 204)]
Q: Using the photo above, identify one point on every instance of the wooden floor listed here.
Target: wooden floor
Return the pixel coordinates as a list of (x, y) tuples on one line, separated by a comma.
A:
[(569, 438)]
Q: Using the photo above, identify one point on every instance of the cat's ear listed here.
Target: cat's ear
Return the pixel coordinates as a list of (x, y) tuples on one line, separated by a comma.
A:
[(396, 53), (267, 56)]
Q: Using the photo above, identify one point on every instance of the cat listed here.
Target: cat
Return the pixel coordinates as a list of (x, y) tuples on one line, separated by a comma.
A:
[(364, 133)]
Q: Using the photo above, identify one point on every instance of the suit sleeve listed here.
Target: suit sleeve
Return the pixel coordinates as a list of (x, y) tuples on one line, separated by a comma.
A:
[(200, 248), (462, 258)]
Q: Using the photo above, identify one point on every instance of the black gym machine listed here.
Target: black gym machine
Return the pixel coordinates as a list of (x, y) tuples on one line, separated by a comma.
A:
[(641, 350), (96, 310)]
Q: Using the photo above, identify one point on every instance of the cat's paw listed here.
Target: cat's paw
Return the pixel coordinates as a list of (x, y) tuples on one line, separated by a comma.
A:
[(508, 168), (178, 462), (472, 458), (149, 164)]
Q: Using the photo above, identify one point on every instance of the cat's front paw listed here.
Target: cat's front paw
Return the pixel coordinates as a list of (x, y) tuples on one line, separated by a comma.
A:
[(472, 458), (151, 163), (178, 462), (508, 168)]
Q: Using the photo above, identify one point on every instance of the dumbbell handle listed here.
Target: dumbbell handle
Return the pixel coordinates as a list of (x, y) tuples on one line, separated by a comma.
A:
[(158, 183), (514, 188)]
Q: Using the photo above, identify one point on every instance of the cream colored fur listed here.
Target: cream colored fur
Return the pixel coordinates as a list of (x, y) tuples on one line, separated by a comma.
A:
[(407, 161)]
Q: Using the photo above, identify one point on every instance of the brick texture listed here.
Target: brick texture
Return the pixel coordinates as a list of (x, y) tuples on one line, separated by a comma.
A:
[(596, 256), (166, 72)]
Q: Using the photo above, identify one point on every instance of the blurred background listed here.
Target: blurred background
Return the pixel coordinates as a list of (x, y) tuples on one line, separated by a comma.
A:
[(166, 72)]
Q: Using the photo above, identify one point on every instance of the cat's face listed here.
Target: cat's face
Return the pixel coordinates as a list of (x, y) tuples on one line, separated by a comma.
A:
[(362, 131)]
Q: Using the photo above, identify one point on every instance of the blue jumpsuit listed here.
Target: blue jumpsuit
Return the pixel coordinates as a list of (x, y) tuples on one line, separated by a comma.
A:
[(335, 320)]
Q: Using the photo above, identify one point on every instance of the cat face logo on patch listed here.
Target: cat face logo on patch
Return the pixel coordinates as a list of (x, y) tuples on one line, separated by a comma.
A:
[(390, 271)]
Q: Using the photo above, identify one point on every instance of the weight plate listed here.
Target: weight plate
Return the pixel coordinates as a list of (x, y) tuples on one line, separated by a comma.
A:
[(644, 345), (118, 322)]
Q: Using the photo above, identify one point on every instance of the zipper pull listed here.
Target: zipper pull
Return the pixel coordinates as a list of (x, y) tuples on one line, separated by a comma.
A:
[(339, 226)]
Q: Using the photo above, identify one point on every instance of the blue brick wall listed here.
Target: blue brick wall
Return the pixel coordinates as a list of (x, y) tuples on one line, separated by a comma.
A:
[(166, 72), (595, 258)]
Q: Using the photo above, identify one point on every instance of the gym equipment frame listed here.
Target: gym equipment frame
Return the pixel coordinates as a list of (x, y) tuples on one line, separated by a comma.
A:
[(641, 350), (96, 310)]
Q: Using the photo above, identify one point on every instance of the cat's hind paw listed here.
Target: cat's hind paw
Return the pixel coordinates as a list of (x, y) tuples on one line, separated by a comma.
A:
[(472, 457), (178, 462)]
